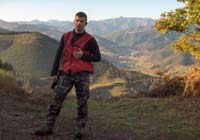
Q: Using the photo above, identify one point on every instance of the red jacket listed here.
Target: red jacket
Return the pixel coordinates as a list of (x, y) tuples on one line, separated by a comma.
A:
[(71, 63)]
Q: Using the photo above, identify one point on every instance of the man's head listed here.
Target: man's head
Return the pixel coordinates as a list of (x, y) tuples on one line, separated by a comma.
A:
[(80, 21)]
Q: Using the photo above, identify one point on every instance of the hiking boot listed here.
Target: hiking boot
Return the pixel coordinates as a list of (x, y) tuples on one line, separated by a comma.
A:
[(78, 136), (43, 131), (78, 133)]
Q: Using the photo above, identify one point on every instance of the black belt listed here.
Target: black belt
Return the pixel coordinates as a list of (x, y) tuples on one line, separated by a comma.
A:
[(69, 72)]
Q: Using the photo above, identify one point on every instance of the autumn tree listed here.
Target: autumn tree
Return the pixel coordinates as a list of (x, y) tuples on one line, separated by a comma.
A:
[(187, 21)]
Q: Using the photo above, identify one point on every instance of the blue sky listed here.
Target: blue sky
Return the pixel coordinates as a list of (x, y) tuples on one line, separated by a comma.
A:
[(26, 10)]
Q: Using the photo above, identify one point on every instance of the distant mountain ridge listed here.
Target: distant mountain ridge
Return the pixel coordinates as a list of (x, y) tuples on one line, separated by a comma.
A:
[(45, 29), (4, 31), (105, 27), (100, 27), (129, 43)]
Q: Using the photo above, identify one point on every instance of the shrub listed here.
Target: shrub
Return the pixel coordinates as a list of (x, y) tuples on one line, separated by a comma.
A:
[(172, 86), (8, 83), (192, 82)]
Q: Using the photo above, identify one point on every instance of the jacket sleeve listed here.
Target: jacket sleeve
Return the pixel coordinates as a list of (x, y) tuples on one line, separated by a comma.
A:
[(55, 66), (93, 48)]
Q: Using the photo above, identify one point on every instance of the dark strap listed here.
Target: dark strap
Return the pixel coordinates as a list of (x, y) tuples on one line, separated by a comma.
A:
[(65, 37)]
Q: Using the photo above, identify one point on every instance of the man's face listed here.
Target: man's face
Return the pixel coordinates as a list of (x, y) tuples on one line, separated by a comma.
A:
[(79, 24)]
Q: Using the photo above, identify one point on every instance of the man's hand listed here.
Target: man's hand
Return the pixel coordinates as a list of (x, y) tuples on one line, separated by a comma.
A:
[(78, 54), (54, 79)]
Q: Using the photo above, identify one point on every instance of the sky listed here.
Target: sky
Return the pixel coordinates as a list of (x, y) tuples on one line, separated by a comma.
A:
[(27, 10)]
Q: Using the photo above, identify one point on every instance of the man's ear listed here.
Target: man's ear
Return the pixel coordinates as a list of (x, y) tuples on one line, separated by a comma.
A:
[(86, 23)]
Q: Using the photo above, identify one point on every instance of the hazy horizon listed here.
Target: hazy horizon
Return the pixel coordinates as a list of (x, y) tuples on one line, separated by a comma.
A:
[(72, 20), (64, 10)]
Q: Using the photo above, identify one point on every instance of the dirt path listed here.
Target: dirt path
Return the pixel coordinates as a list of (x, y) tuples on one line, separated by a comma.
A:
[(20, 116), (126, 119)]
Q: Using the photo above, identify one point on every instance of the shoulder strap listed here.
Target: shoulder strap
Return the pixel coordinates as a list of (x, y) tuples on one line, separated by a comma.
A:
[(65, 37), (83, 40)]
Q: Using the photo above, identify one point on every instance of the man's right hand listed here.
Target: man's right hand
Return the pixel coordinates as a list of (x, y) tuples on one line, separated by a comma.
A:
[(54, 78)]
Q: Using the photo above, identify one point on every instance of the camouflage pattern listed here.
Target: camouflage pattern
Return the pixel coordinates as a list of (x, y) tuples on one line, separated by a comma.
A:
[(63, 87)]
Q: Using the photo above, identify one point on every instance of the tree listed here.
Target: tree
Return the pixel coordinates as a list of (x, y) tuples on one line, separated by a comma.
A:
[(187, 21)]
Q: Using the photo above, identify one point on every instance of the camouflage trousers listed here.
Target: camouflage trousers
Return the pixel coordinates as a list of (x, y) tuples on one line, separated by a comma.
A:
[(63, 87)]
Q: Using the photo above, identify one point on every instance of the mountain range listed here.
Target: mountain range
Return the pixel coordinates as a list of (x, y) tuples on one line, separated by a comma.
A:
[(100, 28), (31, 54), (149, 51), (129, 43)]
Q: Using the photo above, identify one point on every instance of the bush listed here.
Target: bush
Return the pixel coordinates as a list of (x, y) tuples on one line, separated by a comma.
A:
[(6, 66), (172, 86), (8, 85), (192, 82), (188, 85)]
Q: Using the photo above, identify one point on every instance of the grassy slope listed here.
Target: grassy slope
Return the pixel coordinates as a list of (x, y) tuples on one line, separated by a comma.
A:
[(31, 55), (151, 51), (138, 118), (134, 117), (28, 49), (148, 118)]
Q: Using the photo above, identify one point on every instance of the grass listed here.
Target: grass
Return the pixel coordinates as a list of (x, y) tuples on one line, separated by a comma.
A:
[(104, 81), (15, 48), (107, 87), (187, 133), (138, 117), (164, 116), (117, 91)]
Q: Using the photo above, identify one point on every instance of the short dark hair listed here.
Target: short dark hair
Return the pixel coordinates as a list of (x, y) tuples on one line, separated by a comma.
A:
[(82, 14)]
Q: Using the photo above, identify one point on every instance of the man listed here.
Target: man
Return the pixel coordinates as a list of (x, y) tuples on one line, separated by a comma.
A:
[(72, 63)]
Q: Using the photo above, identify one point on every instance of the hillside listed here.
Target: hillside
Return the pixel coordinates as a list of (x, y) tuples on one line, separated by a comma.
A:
[(129, 43), (47, 30), (111, 81), (138, 118), (3, 30), (42, 28), (116, 111), (8, 25), (149, 51), (113, 52), (31, 55), (107, 26), (55, 28), (100, 27), (131, 117)]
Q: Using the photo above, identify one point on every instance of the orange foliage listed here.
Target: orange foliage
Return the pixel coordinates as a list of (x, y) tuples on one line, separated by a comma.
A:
[(8, 85), (192, 81), (188, 85)]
